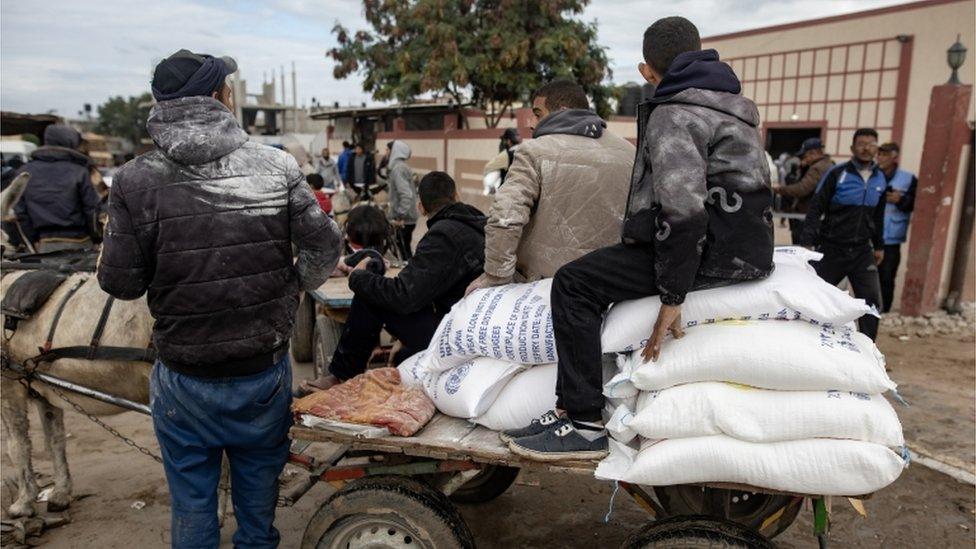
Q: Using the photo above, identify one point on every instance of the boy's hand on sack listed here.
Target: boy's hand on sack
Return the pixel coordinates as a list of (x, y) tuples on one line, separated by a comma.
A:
[(668, 320), (486, 281)]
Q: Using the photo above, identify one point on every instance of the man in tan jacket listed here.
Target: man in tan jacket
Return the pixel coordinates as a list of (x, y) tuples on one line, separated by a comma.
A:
[(564, 195), (814, 163)]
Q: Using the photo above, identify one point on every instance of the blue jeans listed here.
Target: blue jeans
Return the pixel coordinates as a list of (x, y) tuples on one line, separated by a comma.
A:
[(199, 419)]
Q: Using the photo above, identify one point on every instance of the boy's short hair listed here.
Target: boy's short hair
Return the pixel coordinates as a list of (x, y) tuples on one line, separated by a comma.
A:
[(346, 145), (368, 227), (891, 146), (315, 181), (667, 38), (562, 93), (864, 131), (436, 190)]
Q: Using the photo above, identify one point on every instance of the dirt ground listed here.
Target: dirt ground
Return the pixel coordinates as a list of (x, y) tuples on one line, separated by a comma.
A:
[(936, 375)]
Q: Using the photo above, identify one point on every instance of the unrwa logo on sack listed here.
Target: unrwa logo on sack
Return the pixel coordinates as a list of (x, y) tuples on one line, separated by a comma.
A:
[(454, 379)]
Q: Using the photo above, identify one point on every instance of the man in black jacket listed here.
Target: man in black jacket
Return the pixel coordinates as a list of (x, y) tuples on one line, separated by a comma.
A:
[(205, 224), (57, 211), (410, 306)]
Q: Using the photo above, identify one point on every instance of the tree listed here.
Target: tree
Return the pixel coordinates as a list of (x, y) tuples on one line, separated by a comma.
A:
[(126, 118), (493, 51)]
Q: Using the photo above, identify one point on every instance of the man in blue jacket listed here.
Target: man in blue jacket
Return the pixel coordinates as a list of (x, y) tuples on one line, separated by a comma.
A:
[(846, 222), (900, 201)]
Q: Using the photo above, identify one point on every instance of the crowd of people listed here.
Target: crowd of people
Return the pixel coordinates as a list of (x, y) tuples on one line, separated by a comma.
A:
[(209, 224)]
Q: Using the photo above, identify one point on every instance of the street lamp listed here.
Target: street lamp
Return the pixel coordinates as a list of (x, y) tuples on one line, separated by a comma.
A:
[(956, 56)]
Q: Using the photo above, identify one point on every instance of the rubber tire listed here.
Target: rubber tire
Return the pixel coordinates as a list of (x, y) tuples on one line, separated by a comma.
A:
[(695, 532), (675, 501), (301, 337), (426, 510), (326, 340), (487, 485)]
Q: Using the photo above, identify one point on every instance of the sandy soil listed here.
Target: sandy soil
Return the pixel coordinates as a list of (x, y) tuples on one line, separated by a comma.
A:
[(548, 510)]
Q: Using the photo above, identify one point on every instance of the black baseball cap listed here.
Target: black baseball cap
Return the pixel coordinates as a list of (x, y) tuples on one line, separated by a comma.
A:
[(810, 144), (186, 74)]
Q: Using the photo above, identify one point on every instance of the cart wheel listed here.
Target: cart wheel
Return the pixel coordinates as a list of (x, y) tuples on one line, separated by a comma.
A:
[(695, 531), (301, 339), (327, 332), (487, 485), (387, 511), (753, 509)]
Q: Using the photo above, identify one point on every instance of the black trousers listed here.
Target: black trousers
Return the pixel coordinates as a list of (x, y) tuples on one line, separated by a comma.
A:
[(796, 229), (857, 264), (887, 271), (581, 293), (403, 237), (361, 334)]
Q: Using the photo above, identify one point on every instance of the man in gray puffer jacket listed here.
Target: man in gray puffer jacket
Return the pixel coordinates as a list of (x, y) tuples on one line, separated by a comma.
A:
[(698, 216), (403, 198), (205, 224)]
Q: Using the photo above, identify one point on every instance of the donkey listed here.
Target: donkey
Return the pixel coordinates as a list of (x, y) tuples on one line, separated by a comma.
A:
[(129, 324)]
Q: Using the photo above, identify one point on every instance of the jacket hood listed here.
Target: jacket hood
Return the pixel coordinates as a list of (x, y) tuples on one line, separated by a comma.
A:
[(459, 211), (726, 102), (59, 135), (194, 130), (698, 69), (399, 151), (572, 122)]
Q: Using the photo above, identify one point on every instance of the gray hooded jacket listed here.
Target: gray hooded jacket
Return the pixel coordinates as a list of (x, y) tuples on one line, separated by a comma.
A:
[(205, 223), (403, 196), (700, 190)]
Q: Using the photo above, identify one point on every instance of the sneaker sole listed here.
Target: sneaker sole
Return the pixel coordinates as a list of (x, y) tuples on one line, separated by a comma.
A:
[(556, 456)]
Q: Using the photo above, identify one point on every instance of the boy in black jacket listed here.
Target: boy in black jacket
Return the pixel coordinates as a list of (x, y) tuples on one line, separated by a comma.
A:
[(410, 306), (698, 216)]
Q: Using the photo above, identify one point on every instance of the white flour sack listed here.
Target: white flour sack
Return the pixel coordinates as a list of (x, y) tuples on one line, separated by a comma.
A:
[(468, 390), (415, 370), (782, 355), (813, 466), (793, 291), (526, 397), (511, 323), (760, 415)]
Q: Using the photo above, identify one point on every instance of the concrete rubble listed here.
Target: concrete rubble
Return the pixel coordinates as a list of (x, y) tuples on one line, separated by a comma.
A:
[(962, 325)]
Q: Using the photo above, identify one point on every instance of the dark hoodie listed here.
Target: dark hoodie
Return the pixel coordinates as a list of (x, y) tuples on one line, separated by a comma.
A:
[(449, 256), (571, 122), (700, 188), (205, 224), (59, 200)]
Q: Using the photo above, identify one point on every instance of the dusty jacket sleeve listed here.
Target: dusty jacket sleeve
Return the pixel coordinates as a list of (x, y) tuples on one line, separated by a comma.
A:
[(677, 144), (818, 207), (432, 269), (89, 203), (123, 270), (807, 184), (315, 235), (510, 212)]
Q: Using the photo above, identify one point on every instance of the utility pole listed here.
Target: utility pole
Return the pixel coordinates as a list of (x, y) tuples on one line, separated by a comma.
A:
[(294, 98), (284, 102)]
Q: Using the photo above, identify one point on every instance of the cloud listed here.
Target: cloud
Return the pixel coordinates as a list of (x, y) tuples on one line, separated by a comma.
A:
[(61, 54)]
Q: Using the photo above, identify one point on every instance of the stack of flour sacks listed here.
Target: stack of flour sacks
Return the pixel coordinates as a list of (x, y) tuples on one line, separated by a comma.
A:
[(771, 386)]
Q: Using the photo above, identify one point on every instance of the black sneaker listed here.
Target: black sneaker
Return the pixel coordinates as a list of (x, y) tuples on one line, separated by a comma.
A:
[(537, 426), (558, 442)]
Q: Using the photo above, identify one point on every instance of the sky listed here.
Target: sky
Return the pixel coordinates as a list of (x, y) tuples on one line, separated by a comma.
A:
[(57, 55)]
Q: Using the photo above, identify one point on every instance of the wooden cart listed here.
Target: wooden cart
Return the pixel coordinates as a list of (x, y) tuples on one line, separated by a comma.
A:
[(400, 492), (321, 315)]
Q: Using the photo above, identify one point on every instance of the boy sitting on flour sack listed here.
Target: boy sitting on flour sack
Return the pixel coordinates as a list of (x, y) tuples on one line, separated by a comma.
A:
[(698, 216)]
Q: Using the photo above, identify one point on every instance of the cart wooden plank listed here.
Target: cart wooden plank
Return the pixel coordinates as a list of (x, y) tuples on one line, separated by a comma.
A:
[(444, 438), (335, 293)]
